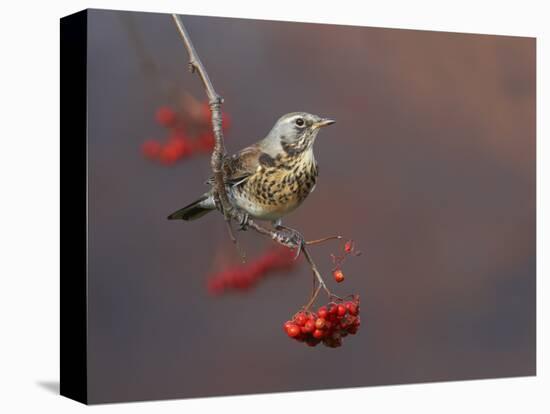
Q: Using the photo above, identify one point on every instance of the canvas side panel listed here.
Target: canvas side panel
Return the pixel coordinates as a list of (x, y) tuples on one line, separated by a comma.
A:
[(73, 341)]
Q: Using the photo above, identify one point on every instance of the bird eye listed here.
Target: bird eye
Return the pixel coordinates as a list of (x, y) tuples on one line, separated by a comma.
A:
[(300, 122)]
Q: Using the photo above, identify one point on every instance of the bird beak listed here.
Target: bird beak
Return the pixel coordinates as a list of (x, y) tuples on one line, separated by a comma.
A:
[(323, 123)]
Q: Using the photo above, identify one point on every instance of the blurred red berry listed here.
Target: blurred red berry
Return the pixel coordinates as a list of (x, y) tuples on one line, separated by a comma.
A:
[(180, 145), (243, 277), (169, 154), (198, 113), (205, 142), (165, 116), (348, 247)]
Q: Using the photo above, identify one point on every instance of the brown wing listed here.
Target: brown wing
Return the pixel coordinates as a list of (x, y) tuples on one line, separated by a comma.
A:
[(241, 165)]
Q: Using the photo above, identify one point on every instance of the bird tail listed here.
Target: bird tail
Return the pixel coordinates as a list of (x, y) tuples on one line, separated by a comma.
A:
[(195, 210)]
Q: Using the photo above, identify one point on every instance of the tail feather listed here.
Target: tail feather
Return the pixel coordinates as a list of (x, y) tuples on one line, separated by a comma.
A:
[(194, 210)]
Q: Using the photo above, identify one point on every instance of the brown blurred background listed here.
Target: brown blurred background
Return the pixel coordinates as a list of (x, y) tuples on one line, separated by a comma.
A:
[(430, 168)]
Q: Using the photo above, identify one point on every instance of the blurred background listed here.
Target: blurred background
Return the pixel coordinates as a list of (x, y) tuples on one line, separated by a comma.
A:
[(430, 168)]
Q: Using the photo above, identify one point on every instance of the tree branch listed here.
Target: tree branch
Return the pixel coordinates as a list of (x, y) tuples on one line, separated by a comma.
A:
[(215, 101)]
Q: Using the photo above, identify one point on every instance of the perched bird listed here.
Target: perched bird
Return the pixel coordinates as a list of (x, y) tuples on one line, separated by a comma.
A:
[(271, 178)]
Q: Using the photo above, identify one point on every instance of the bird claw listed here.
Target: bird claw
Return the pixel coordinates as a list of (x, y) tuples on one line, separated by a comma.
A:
[(243, 221), (290, 238), (238, 214)]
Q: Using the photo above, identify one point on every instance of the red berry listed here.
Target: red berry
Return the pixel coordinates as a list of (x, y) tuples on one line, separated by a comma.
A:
[(348, 247), (332, 343), (352, 308), (308, 327), (293, 330), (300, 318), (338, 275), (320, 323), (165, 116), (287, 325), (341, 310), (318, 333), (333, 309), (322, 312), (312, 341)]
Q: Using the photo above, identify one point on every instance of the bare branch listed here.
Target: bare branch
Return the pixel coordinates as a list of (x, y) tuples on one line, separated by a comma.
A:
[(195, 61), (215, 101)]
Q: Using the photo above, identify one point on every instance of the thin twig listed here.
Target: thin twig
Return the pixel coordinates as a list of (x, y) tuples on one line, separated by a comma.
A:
[(315, 271), (242, 253), (324, 239), (313, 297)]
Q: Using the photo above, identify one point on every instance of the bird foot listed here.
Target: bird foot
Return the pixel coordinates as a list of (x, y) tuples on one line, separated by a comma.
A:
[(290, 238)]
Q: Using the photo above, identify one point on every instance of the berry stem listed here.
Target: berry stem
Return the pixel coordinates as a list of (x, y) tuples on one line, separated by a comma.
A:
[(324, 239), (313, 298), (315, 270)]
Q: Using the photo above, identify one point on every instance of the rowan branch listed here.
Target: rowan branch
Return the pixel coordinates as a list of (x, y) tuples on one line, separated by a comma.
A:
[(215, 101)]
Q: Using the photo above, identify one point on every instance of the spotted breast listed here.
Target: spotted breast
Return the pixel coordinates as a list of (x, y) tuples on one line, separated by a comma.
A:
[(278, 186)]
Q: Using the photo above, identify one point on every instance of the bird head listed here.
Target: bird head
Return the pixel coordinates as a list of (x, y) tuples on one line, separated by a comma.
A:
[(296, 132)]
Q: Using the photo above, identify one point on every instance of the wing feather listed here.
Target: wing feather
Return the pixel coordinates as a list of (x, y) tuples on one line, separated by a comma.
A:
[(240, 166)]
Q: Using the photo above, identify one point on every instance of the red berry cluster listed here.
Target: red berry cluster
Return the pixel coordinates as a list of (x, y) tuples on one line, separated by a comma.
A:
[(180, 143), (243, 277), (328, 325), (349, 249)]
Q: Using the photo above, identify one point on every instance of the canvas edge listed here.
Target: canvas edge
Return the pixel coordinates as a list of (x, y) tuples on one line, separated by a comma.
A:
[(73, 202)]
